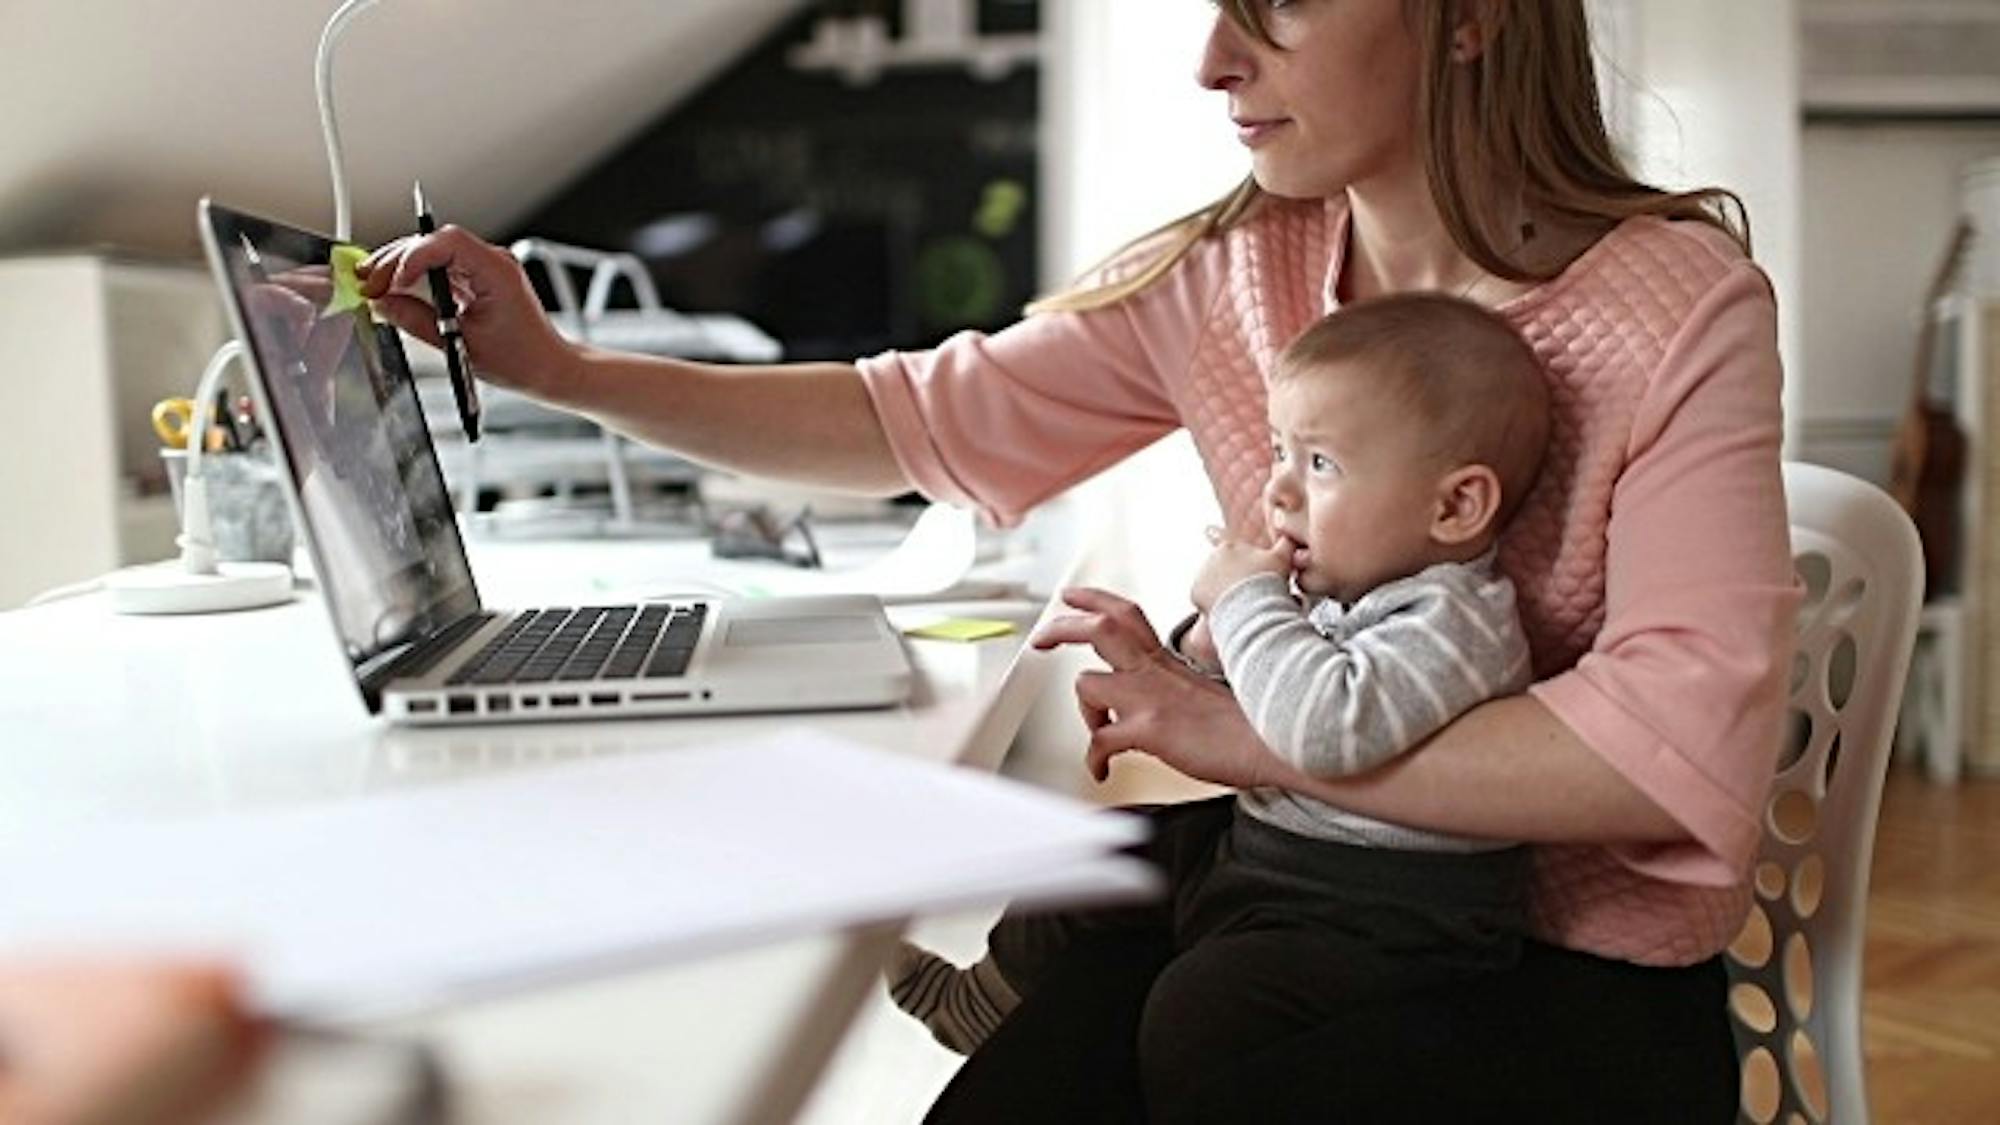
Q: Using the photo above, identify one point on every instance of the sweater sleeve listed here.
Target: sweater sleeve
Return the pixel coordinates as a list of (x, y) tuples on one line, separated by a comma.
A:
[(1428, 649), (1002, 422), (1682, 692)]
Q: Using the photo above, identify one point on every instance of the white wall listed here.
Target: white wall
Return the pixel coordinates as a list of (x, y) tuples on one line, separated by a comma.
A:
[(1712, 97), (117, 116), (1131, 141), (1879, 203)]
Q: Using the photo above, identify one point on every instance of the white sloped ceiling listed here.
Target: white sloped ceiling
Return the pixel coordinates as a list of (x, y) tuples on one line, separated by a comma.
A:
[(116, 115)]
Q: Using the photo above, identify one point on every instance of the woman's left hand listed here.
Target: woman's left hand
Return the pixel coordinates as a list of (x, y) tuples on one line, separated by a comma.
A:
[(1151, 702)]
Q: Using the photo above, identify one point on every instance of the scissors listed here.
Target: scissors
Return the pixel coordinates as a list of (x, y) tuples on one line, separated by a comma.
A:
[(173, 420)]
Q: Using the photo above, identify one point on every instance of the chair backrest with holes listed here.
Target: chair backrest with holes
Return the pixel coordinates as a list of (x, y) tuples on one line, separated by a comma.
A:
[(1796, 970)]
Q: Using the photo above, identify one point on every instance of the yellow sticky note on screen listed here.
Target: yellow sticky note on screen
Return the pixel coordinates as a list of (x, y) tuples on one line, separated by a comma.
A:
[(346, 286), (961, 629)]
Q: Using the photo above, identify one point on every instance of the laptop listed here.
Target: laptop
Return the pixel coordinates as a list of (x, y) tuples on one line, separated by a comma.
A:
[(369, 496)]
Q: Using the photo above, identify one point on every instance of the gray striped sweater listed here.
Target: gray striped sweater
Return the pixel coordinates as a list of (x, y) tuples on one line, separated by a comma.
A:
[(1339, 691)]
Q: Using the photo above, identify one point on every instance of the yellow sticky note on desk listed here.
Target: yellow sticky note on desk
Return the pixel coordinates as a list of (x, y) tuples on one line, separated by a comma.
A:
[(346, 286), (961, 629)]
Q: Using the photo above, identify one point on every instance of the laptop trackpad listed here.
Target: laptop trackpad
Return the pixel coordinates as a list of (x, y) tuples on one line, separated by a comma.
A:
[(802, 631)]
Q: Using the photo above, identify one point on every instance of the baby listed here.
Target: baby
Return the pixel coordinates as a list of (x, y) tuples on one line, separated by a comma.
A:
[(1405, 432)]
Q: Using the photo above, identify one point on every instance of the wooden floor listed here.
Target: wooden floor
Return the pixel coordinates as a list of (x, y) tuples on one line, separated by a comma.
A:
[(1931, 1013)]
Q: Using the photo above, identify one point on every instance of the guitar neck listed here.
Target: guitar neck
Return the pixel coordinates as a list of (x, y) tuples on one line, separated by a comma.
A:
[(1936, 382), (1933, 382)]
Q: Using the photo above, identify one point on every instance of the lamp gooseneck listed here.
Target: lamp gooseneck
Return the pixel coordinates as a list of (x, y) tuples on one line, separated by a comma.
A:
[(328, 123)]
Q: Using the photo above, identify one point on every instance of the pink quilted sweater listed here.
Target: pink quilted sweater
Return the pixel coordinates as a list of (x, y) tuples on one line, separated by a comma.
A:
[(1651, 560)]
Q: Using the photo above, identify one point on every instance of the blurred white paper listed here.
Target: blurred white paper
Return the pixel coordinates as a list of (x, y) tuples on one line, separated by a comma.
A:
[(934, 557), (932, 560), (401, 900)]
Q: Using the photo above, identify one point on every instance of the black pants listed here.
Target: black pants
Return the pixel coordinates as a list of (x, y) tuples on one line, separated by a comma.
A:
[(1105, 1030)]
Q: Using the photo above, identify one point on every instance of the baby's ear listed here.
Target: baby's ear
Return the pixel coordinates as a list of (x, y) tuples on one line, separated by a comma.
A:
[(1468, 501)]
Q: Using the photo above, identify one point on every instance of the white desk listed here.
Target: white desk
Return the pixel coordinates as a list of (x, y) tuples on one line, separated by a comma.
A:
[(109, 717)]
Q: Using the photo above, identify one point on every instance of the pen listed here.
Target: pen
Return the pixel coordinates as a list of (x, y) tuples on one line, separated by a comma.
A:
[(223, 417), (246, 424), (462, 387)]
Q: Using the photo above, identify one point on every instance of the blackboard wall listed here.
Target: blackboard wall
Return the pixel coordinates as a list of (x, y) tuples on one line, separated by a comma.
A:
[(841, 219)]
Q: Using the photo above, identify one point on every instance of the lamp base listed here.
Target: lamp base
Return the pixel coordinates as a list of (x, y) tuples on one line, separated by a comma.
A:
[(168, 588)]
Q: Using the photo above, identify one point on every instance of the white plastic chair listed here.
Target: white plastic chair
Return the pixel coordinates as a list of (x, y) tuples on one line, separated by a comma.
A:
[(1795, 971)]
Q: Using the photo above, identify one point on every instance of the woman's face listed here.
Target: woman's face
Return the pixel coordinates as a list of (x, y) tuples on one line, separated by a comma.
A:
[(1333, 104)]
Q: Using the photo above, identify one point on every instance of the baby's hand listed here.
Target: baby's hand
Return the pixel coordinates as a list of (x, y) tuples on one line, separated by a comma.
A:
[(1232, 561)]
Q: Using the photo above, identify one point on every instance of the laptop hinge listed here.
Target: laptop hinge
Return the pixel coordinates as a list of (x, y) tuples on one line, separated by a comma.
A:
[(372, 673), (413, 658)]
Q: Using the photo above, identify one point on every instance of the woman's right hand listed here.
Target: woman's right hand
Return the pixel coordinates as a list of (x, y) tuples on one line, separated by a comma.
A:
[(507, 335)]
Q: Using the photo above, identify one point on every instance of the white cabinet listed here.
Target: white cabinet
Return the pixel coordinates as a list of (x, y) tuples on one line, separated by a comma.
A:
[(1951, 708), (87, 344), (1978, 390)]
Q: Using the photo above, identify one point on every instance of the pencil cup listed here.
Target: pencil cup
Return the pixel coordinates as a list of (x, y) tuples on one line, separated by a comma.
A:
[(246, 504)]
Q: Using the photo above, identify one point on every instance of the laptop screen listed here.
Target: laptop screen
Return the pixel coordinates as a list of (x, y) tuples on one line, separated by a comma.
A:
[(337, 388)]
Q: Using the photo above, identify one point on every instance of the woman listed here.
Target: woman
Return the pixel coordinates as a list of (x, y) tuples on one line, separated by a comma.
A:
[(1450, 145)]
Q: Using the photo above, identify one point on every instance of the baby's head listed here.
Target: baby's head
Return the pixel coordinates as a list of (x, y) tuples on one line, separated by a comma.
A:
[(1405, 431)]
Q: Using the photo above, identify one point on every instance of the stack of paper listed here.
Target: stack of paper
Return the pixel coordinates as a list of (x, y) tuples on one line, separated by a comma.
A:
[(412, 897)]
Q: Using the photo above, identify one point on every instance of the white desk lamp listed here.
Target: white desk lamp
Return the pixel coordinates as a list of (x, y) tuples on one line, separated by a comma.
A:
[(329, 125), (198, 583)]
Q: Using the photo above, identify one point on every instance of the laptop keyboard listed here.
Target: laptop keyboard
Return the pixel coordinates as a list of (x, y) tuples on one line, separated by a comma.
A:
[(438, 645), (592, 643)]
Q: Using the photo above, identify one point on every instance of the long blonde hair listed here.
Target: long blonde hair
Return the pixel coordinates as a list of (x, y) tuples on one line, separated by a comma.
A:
[(1529, 118)]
